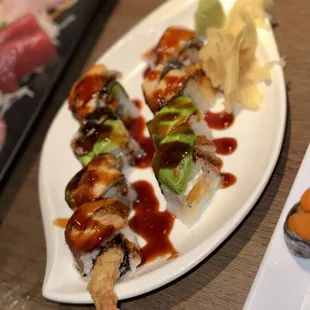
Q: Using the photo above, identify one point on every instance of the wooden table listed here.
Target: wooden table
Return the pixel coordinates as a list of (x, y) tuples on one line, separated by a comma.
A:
[(224, 279)]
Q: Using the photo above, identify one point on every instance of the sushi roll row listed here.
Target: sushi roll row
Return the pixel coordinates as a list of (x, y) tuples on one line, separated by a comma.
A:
[(103, 246), (179, 93), (174, 69)]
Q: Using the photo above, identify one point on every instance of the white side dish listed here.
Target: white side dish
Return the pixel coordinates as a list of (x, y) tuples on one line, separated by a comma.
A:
[(283, 280), (259, 134)]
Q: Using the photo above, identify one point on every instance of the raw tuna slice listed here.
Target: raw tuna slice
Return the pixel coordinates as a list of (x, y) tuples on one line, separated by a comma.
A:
[(23, 26), (13, 9), (20, 57)]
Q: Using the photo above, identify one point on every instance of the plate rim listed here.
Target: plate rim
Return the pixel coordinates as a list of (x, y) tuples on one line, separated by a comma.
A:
[(201, 251)]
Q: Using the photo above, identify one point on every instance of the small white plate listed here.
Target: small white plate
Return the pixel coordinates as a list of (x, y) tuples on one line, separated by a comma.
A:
[(259, 136), (283, 280)]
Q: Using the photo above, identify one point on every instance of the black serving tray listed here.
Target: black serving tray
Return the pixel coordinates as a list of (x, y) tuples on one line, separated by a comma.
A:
[(22, 115)]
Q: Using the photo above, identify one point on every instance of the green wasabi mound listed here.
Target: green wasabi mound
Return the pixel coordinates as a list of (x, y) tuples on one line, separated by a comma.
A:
[(209, 14)]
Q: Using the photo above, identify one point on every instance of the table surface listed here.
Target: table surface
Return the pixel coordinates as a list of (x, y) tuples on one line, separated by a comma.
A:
[(224, 279)]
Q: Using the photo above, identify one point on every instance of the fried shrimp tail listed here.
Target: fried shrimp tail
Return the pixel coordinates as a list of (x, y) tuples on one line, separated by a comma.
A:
[(103, 276)]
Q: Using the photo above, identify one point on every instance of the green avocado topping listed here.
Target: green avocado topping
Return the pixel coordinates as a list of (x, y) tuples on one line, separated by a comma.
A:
[(71, 186), (171, 116), (117, 138), (173, 159), (69, 199), (86, 159), (117, 89)]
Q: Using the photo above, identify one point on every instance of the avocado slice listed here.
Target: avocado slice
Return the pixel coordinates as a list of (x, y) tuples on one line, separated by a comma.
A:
[(117, 138), (173, 159), (172, 115), (117, 89), (73, 183)]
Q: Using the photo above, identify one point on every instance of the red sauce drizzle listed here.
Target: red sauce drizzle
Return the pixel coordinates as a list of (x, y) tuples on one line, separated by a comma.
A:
[(220, 120), (160, 97), (88, 86), (136, 128), (153, 75), (225, 146), (84, 232), (151, 224), (60, 222), (137, 103), (228, 179), (170, 42)]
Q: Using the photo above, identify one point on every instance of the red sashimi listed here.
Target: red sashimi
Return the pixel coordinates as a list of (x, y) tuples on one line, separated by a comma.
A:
[(25, 25), (13, 9), (20, 57)]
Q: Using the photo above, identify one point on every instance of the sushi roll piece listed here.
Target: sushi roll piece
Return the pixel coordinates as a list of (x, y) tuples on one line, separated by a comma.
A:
[(102, 244), (98, 88), (169, 81), (176, 43), (184, 162), (100, 178), (296, 227), (103, 247), (103, 132)]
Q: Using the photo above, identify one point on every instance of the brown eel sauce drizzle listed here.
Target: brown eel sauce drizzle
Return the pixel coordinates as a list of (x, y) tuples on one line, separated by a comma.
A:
[(170, 155), (220, 120), (146, 71), (225, 146), (98, 132), (137, 103), (228, 179), (60, 222), (136, 128), (151, 224)]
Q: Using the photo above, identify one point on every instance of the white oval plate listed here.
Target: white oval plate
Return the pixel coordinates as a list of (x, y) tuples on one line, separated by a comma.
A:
[(259, 136)]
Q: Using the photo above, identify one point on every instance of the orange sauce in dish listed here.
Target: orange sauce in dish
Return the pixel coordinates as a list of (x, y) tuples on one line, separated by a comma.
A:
[(299, 222)]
